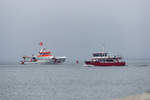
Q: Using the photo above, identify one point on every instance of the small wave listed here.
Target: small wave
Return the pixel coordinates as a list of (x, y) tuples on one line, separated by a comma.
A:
[(144, 65), (87, 65)]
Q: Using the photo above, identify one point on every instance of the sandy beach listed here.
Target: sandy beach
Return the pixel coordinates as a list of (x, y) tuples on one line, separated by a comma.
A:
[(144, 96)]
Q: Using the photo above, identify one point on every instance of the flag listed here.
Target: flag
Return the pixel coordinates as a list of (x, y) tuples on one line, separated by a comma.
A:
[(41, 43)]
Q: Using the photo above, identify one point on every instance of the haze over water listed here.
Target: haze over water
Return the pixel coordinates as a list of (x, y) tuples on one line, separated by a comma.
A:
[(74, 28)]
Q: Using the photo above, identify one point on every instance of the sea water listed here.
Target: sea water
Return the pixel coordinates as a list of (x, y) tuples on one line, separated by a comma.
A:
[(72, 82)]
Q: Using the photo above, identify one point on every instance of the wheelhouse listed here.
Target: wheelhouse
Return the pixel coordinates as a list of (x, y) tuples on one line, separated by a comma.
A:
[(100, 54), (45, 53)]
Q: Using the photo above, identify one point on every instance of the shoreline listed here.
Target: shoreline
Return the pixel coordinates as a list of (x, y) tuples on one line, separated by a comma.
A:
[(143, 96)]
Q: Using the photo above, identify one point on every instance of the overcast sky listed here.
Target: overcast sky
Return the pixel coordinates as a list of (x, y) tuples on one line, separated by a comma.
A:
[(74, 28)]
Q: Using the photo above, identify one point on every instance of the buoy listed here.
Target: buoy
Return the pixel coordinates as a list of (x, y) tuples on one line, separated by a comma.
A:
[(77, 62), (22, 62)]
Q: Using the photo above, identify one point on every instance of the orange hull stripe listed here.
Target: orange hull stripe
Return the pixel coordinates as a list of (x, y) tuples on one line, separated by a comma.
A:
[(44, 55)]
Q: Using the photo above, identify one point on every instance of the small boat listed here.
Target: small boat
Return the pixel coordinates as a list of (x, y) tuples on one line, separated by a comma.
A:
[(105, 59), (43, 57)]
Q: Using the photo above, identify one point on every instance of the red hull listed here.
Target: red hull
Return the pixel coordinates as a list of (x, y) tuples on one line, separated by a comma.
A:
[(105, 64)]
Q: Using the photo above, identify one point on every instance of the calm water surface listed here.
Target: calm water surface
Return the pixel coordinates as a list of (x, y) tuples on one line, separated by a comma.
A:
[(72, 82)]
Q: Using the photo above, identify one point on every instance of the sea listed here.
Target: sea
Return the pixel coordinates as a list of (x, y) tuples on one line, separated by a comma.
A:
[(73, 81)]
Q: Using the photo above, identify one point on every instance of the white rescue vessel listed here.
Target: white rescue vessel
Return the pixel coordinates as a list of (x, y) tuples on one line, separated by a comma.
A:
[(43, 57)]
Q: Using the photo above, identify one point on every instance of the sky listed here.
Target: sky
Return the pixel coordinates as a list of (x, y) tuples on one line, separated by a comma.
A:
[(74, 28)]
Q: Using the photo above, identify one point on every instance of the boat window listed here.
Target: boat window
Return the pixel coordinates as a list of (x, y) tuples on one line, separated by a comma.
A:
[(44, 53), (33, 58), (109, 60), (99, 54), (101, 60), (96, 55)]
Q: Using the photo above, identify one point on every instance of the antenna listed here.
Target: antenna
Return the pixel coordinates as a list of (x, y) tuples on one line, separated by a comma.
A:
[(103, 48)]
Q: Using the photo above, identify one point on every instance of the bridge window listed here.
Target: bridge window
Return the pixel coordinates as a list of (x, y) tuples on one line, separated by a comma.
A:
[(44, 53), (99, 54)]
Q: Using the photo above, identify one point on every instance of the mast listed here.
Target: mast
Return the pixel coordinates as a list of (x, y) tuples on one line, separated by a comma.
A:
[(41, 44), (103, 48)]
